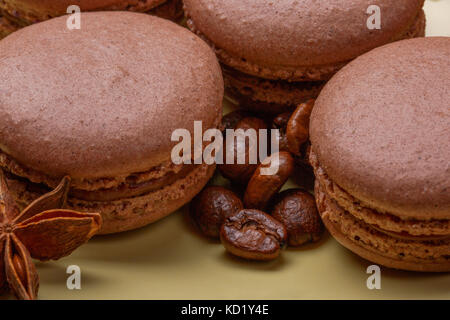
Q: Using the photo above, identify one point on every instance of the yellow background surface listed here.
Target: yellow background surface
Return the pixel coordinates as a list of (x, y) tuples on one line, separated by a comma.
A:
[(168, 260)]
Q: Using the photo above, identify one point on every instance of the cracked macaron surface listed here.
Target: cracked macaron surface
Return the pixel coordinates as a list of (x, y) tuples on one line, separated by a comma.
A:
[(101, 105), (381, 155)]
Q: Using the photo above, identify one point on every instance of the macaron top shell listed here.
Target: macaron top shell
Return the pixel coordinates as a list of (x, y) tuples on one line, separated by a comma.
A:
[(292, 33), (381, 128), (104, 100)]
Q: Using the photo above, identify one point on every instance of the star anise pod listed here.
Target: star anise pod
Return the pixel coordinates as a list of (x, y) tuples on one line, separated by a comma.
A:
[(41, 231)]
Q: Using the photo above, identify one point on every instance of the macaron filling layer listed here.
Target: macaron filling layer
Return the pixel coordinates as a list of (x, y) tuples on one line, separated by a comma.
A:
[(124, 190), (132, 189), (125, 213), (298, 73), (380, 232), (171, 9), (103, 189), (379, 243), (380, 220), (278, 95)]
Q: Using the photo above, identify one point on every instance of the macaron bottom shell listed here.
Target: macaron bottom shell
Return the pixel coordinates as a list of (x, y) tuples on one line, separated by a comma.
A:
[(379, 247), (380, 218), (128, 213), (379, 258)]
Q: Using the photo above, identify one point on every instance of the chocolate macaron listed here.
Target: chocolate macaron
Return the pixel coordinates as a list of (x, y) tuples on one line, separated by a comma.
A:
[(100, 104), (278, 54), (20, 13), (380, 133)]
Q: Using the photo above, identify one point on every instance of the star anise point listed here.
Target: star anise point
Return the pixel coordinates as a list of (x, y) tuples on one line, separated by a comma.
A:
[(43, 230)]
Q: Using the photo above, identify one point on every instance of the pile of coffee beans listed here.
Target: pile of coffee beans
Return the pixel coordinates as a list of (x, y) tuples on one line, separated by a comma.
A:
[(255, 221)]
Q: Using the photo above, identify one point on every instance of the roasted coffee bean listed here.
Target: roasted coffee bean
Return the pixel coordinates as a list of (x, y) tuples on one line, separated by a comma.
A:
[(253, 234), (262, 187), (297, 210), (297, 130), (241, 173), (280, 122), (211, 207), (230, 120)]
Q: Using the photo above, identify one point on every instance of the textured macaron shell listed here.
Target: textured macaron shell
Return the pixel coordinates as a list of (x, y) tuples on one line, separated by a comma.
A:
[(381, 128), (291, 33), (16, 14), (43, 9), (104, 100)]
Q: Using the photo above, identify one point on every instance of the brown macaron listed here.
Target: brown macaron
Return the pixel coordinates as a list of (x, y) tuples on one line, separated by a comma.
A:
[(100, 104), (20, 13), (380, 133), (278, 54)]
